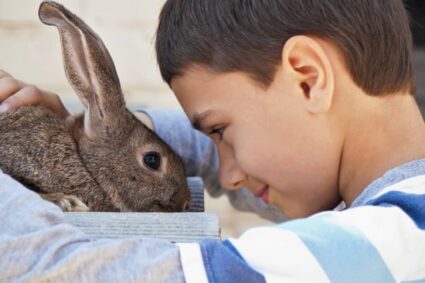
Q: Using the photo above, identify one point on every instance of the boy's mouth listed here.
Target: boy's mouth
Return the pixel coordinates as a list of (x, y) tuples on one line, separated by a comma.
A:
[(263, 194)]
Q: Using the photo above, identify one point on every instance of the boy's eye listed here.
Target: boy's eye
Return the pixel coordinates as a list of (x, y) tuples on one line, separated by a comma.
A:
[(217, 131)]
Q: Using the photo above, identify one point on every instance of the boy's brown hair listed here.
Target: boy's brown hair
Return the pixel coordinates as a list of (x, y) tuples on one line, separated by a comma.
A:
[(248, 35)]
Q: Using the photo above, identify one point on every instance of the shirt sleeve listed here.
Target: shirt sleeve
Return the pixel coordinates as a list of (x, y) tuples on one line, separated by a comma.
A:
[(36, 245), (200, 157), (365, 244)]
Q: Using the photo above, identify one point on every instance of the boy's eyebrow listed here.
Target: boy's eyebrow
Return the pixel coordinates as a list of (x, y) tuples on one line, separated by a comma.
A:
[(198, 118)]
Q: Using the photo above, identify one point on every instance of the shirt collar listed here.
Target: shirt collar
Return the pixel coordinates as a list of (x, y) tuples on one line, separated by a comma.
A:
[(393, 176)]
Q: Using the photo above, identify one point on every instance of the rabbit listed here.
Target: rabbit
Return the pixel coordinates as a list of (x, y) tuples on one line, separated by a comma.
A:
[(107, 160)]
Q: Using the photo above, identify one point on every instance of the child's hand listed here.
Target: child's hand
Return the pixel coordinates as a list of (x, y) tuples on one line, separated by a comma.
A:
[(14, 93)]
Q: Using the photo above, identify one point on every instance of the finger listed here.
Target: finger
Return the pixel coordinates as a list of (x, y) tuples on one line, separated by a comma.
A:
[(56, 105), (27, 95), (30, 95), (8, 87), (4, 74)]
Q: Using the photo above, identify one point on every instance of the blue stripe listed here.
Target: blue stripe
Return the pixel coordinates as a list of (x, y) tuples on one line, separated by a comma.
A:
[(412, 205), (232, 248), (344, 253), (223, 263)]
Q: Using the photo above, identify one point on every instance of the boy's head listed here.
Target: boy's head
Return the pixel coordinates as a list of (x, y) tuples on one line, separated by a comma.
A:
[(264, 78), (233, 35)]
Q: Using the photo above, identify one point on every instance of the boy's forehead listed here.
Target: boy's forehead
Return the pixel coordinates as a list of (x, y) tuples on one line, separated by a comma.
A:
[(196, 85), (194, 76), (200, 79), (199, 90)]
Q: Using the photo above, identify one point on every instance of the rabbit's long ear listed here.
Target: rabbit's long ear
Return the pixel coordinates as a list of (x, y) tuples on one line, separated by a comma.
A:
[(88, 66)]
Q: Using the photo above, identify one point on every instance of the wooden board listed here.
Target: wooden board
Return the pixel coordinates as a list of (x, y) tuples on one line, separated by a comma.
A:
[(175, 227), (191, 226), (196, 187)]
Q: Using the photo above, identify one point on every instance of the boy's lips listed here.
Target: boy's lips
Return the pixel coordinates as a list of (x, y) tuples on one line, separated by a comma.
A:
[(263, 193)]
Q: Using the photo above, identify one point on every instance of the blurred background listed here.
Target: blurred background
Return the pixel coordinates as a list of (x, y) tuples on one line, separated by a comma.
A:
[(416, 9), (30, 51)]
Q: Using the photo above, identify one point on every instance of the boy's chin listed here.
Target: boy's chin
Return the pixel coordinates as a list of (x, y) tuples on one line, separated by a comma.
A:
[(296, 214), (297, 211)]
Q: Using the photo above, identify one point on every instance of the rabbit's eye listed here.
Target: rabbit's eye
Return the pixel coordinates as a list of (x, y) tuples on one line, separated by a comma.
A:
[(152, 160)]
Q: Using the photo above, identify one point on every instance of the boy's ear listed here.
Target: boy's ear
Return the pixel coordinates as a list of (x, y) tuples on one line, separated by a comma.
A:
[(306, 61)]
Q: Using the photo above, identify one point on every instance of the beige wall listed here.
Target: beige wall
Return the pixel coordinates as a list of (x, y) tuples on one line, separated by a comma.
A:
[(30, 51)]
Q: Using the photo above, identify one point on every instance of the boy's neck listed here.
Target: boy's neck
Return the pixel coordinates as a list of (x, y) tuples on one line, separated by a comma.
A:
[(380, 133)]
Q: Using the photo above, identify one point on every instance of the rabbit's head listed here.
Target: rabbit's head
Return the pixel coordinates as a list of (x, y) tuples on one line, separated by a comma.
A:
[(137, 170)]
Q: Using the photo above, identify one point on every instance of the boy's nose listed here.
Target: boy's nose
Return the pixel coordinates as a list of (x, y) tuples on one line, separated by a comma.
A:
[(230, 174)]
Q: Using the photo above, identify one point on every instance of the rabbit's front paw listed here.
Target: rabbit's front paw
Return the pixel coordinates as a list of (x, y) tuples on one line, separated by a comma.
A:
[(66, 202)]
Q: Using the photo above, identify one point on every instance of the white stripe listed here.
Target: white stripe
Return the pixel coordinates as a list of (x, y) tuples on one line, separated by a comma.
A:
[(279, 255), (414, 185), (394, 234), (193, 265)]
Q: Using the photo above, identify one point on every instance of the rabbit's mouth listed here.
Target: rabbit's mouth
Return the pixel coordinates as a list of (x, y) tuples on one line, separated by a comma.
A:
[(172, 207), (152, 208), (157, 206)]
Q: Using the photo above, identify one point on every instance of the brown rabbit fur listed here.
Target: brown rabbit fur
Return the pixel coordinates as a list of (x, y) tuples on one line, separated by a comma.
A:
[(108, 160)]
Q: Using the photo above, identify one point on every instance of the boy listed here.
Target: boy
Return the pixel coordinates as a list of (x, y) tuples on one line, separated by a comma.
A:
[(309, 105)]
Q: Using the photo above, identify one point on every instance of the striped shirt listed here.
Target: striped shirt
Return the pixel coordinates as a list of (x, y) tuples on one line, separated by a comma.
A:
[(381, 238)]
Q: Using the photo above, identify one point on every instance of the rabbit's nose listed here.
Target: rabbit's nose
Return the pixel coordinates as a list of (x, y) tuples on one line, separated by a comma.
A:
[(186, 205)]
